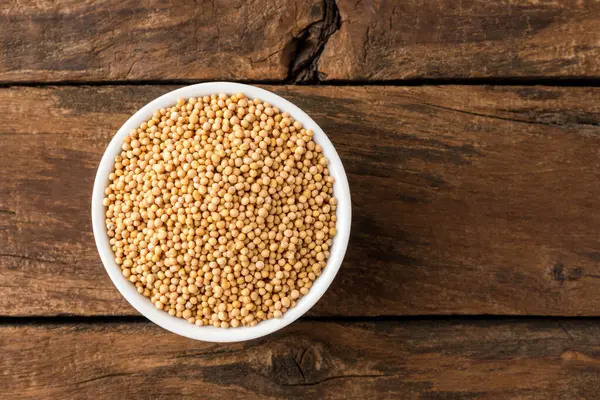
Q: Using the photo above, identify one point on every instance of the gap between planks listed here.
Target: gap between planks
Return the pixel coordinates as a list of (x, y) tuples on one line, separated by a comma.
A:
[(516, 81), (382, 319)]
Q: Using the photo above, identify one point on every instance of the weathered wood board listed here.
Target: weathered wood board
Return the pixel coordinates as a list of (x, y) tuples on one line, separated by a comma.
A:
[(466, 199), (525, 359), (447, 39), (111, 40)]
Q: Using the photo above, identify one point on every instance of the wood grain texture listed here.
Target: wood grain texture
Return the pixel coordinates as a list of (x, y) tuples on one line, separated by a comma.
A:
[(151, 40), (383, 40), (466, 199), (419, 359), (115, 40)]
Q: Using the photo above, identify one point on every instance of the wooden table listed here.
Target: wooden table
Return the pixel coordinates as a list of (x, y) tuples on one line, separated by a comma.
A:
[(470, 132)]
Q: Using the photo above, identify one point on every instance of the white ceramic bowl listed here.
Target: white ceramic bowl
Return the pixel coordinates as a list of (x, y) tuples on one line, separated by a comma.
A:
[(178, 325)]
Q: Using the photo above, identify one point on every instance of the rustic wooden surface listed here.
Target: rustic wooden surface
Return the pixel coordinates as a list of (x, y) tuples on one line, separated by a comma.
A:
[(72, 40), (525, 359), (470, 133), (466, 199), (382, 40), (115, 40)]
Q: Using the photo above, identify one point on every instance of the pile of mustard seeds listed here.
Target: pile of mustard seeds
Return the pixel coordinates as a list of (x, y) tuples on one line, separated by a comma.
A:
[(221, 211)]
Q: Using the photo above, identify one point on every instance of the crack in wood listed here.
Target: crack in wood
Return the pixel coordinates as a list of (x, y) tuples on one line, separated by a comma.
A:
[(299, 367), (96, 378), (210, 353), (302, 355), (331, 378), (22, 257), (306, 47), (515, 120)]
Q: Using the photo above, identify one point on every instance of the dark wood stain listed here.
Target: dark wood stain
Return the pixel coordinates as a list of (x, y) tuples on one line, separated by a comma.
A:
[(462, 205), (435, 359), (123, 40), (467, 200), (387, 40)]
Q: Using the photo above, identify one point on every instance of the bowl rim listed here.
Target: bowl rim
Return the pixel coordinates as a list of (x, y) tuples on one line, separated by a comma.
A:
[(178, 325)]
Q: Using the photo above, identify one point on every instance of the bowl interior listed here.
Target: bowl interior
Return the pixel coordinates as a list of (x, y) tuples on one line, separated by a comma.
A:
[(178, 325)]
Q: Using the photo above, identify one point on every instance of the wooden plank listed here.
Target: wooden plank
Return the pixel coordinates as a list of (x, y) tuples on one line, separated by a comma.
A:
[(466, 199), (239, 40), (131, 40), (382, 40), (417, 359)]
